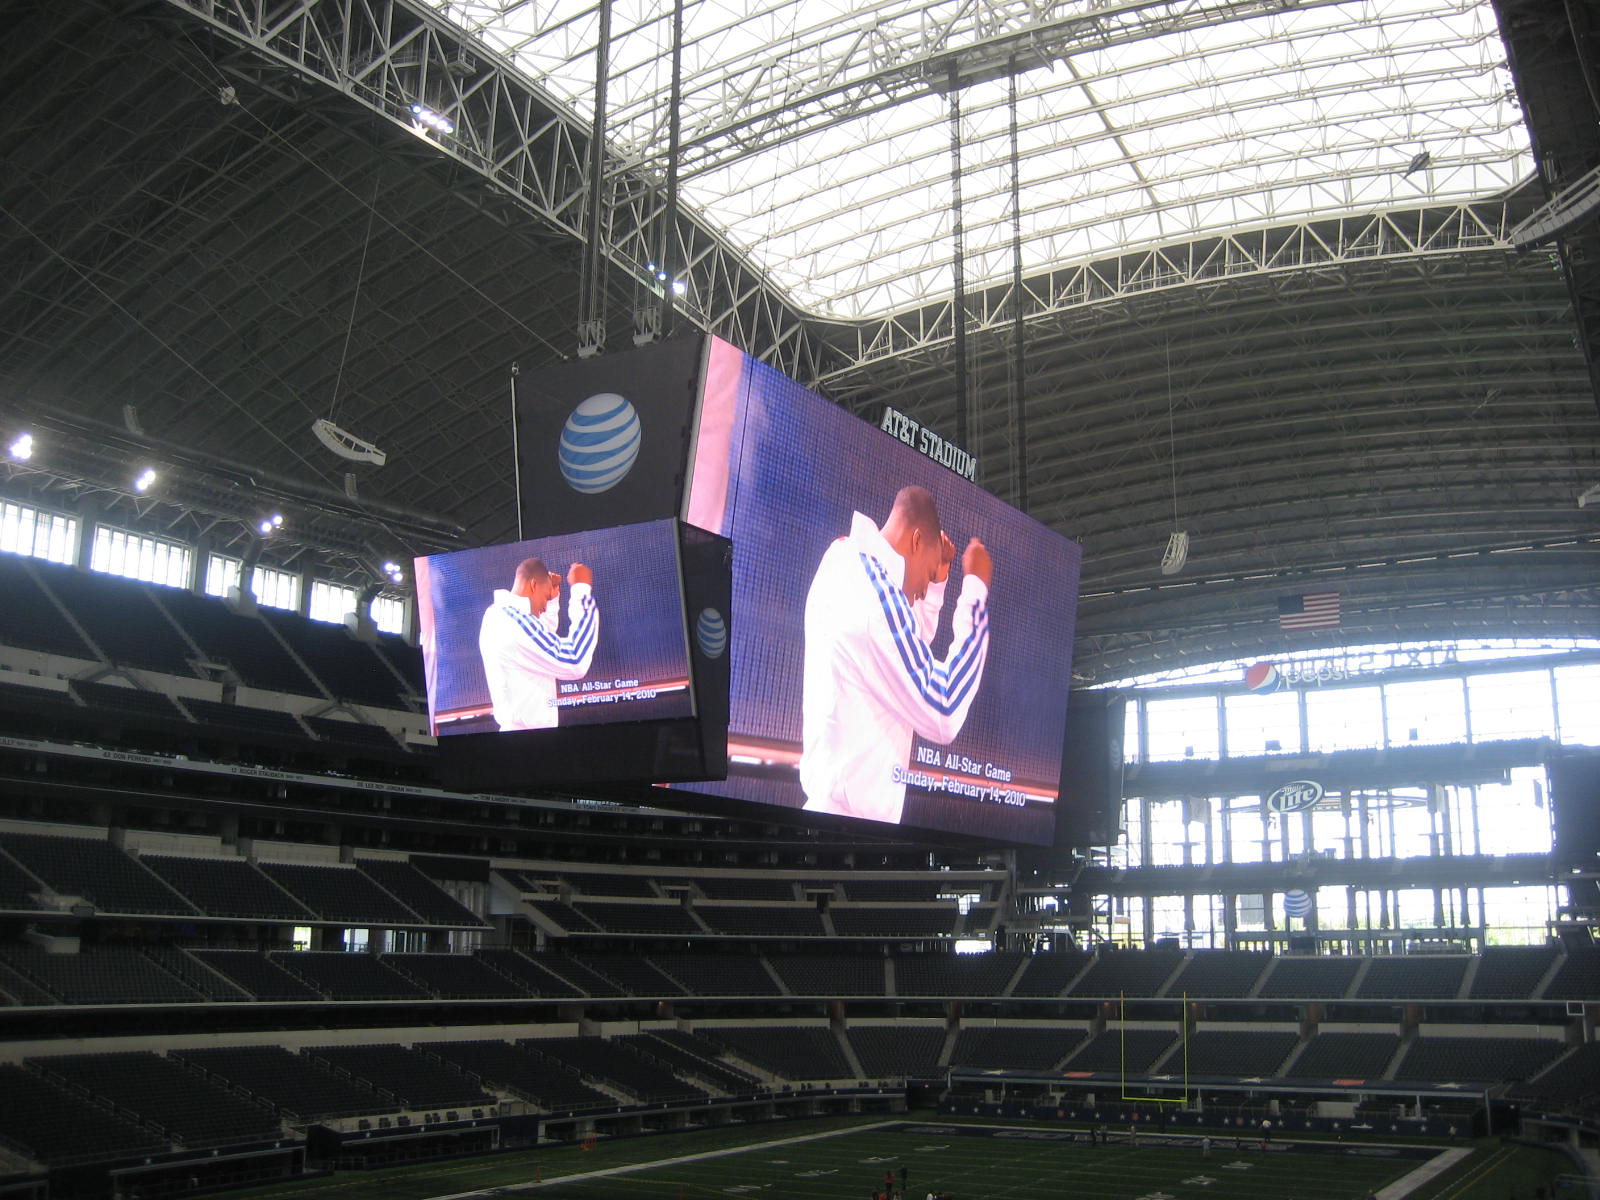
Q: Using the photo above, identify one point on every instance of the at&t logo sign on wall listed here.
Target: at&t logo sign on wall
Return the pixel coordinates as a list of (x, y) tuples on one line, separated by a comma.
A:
[(599, 443)]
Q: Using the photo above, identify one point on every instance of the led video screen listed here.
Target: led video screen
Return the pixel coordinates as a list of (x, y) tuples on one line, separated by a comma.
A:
[(901, 640), (574, 629)]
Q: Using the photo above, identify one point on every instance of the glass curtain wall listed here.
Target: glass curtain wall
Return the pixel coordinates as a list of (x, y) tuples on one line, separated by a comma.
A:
[(1236, 863)]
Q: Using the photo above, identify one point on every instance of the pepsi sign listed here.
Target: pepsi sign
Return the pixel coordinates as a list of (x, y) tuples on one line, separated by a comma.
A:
[(1296, 796)]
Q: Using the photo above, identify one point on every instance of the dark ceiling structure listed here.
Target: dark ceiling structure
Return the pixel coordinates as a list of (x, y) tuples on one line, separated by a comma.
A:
[(217, 224)]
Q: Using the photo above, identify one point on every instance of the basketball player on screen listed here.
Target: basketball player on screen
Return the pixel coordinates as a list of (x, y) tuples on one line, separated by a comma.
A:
[(871, 680), (522, 655)]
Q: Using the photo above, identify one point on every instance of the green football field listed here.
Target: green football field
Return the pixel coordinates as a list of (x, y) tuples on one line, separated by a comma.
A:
[(844, 1158), (974, 1162)]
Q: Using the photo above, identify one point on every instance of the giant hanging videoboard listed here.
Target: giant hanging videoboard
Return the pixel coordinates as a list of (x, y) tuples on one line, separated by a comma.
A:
[(870, 679)]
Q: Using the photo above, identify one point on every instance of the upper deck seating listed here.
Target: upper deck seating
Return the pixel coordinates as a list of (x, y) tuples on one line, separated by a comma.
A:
[(1309, 978), (341, 894), (95, 870), (226, 887), (1128, 973), (1511, 972), (1221, 974)]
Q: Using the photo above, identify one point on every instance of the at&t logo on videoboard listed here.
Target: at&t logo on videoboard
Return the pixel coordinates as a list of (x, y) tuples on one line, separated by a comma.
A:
[(599, 443)]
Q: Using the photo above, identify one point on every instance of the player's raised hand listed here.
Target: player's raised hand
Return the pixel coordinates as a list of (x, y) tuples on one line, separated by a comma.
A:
[(578, 573), (947, 555), (975, 560)]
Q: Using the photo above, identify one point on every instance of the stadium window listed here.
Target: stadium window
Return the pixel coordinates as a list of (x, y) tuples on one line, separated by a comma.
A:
[(37, 534), (1343, 719), (1507, 706), (152, 560), (1182, 728), (272, 587), (389, 614), (1255, 722), (1578, 704), (332, 602), (1426, 712)]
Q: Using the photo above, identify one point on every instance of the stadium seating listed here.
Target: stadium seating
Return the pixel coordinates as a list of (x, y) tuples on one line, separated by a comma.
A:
[(1511, 972), (1049, 974), (244, 719), (692, 1058), (257, 975), (347, 669), (1421, 977), (341, 894), (1120, 973), (1028, 1048), (830, 976), (552, 1086), (348, 976), (413, 1079), (418, 893), (716, 974), (529, 974), (455, 976), (1220, 973), (292, 1084), (1346, 1055), (1236, 1052), (898, 1052), (614, 1064), (108, 697), (1309, 978), (122, 618), (1133, 1050), (664, 917), (733, 888), (954, 974), (95, 870), (59, 1127), (1571, 1083), (246, 645), (1476, 1059), (882, 921), (226, 887), (1578, 977), (794, 1052), (190, 1109), (100, 975), (757, 920), (633, 973), (34, 621)]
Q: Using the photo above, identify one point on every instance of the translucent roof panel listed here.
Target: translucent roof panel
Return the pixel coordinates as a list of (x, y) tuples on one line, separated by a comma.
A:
[(818, 135)]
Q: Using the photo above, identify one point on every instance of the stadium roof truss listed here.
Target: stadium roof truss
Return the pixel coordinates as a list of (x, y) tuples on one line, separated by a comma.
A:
[(819, 136)]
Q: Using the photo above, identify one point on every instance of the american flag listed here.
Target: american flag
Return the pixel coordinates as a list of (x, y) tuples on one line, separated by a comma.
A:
[(1314, 610)]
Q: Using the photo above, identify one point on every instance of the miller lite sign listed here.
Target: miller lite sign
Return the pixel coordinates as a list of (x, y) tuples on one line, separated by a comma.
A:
[(1295, 796)]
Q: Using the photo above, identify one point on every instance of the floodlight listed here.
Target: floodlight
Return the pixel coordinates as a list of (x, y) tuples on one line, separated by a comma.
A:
[(432, 120), (264, 528), (22, 448), (145, 480)]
